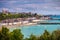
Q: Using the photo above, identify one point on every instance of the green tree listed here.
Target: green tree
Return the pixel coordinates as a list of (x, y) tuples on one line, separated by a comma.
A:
[(4, 34), (56, 35), (16, 35), (32, 37), (45, 36)]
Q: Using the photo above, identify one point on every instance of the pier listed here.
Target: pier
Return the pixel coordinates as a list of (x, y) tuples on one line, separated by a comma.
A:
[(49, 23), (55, 19)]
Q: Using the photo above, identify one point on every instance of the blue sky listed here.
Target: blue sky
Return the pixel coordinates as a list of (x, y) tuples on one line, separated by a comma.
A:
[(38, 6)]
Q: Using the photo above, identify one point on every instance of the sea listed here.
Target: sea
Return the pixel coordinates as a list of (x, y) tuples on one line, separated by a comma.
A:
[(39, 28)]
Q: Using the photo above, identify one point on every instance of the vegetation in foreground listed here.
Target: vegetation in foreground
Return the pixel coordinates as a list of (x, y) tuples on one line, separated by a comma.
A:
[(16, 34)]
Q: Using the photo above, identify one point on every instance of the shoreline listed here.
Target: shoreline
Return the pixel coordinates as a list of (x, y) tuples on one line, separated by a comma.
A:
[(18, 25)]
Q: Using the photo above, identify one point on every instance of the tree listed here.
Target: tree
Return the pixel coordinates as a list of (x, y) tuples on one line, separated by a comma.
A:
[(32, 37), (56, 35), (16, 35), (4, 34), (45, 36)]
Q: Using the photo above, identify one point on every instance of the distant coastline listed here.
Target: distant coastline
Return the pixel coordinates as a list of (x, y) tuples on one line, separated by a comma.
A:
[(10, 20)]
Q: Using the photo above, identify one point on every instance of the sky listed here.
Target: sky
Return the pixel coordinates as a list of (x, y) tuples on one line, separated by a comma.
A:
[(47, 7)]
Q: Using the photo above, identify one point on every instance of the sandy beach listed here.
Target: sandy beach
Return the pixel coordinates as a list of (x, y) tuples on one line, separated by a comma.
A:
[(19, 24)]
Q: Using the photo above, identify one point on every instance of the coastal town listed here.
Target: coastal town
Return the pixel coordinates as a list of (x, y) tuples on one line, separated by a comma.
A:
[(30, 20)]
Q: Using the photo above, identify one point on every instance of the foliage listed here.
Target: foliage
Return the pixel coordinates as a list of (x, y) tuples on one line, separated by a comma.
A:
[(5, 34), (56, 35), (16, 34), (32, 37), (45, 36), (19, 15)]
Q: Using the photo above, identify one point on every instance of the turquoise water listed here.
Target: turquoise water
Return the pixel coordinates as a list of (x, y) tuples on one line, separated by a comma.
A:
[(36, 29), (39, 29), (57, 16)]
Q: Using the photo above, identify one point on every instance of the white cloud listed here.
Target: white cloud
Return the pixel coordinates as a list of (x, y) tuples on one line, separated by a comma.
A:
[(31, 5)]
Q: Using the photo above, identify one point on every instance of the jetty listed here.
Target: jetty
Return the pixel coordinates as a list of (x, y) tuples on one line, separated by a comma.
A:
[(54, 19), (48, 23)]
